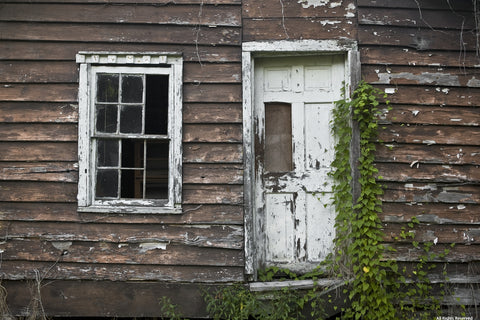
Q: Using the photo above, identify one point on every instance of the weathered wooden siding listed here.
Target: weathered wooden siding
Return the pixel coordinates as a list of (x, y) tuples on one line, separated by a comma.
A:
[(424, 54), (40, 227)]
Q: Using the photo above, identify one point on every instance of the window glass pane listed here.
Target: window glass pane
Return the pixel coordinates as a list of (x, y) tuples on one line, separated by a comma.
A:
[(157, 170), (107, 87), (131, 119), (106, 118), (132, 89), (278, 137), (132, 184), (132, 153), (107, 153), (107, 183), (156, 107)]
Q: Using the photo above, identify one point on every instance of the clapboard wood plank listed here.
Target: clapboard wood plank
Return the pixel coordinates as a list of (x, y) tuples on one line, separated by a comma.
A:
[(39, 171), (25, 191), (212, 173), (212, 153), (212, 113), (38, 151), (415, 17), (213, 194), (153, 253), (25, 270), (382, 55), (434, 213), (54, 51), (431, 134), (419, 39), (297, 28), (418, 75), (135, 33), (416, 114), (38, 132), (67, 212), (38, 112), (212, 133), (444, 154), (209, 15), (417, 171), (213, 236)]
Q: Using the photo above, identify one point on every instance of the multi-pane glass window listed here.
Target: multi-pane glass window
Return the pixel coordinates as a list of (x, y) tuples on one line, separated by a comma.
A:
[(131, 136), (134, 154)]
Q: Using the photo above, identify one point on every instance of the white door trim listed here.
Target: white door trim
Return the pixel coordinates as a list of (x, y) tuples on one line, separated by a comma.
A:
[(251, 50)]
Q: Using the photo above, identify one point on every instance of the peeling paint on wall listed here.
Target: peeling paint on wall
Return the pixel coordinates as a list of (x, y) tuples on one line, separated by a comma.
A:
[(320, 3)]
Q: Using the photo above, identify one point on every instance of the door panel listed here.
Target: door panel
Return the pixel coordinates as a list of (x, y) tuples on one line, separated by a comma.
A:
[(292, 111)]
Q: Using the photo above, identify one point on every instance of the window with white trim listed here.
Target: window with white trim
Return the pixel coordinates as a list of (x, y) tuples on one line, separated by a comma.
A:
[(130, 117)]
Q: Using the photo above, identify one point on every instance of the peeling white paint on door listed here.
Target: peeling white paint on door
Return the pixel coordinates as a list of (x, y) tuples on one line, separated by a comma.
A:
[(295, 217)]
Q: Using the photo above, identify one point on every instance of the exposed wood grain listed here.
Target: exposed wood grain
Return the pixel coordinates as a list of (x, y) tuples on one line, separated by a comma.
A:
[(430, 76), (113, 33), (67, 212), (38, 132), (432, 192), (382, 55), (420, 39), (146, 253), (213, 73), (129, 13), (212, 194), (276, 9), (39, 92), (38, 151), (53, 51), (110, 298), (213, 236), (434, 213), (214, 93), (416, 114), (25, 270), (212, 133), (212, 113), (38, 191), (409, 153), (441, 234), (413, 17), (211, 173), (441, 96), (212, 153), (418, 171), (297, 28), (38, 112), (418, 4), (39, 171), (430, 134)]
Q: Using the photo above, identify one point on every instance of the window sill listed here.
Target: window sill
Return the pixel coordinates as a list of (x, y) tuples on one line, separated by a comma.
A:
[(295, 284), (130, 209)]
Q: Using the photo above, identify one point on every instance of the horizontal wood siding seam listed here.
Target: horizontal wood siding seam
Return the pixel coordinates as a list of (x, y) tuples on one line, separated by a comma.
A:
[(159, 3)]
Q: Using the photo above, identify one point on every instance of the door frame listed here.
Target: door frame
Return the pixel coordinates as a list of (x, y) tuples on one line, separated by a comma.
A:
[(283, 48)]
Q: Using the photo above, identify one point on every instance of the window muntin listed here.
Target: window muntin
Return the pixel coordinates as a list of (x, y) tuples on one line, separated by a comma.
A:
[(133, 163)]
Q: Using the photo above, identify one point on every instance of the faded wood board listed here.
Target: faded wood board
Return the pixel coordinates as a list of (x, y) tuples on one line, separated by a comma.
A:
[(25, 270), (67, 212)]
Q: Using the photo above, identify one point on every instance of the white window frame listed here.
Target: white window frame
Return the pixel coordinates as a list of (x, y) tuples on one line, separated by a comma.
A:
[(90, 63), (250, 51)]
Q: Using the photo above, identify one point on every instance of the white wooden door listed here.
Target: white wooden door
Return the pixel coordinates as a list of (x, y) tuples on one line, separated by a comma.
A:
[(293, 99)]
